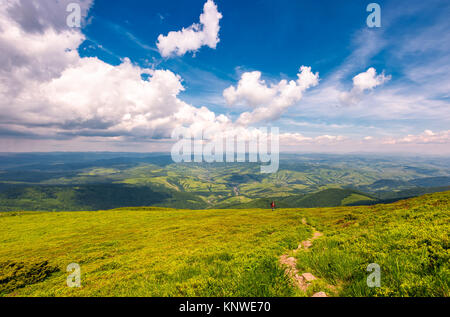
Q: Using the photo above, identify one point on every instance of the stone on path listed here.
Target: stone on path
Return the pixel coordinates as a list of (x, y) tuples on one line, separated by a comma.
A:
[(308, 277), (317, 235), (289, 261), (320, 294)]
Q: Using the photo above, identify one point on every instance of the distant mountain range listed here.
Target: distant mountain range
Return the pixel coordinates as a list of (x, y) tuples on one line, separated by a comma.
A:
[(95, 181)]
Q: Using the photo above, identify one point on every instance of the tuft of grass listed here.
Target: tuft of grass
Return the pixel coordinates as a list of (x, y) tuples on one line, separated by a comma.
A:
[(16, 275)]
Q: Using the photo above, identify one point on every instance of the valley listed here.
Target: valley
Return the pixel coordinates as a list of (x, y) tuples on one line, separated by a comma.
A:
[(81, 181)]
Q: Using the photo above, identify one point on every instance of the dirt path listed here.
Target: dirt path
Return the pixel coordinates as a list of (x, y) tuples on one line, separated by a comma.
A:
[(302, 281)]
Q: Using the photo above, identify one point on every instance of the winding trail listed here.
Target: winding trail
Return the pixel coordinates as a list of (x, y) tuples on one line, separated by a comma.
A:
[(302, 281)]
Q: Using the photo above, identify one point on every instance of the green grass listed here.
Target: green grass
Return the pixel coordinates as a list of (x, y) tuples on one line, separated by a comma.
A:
[(165, 252), (331, 197), (155, 252), (408, 239), (327, 198), (355, 198)]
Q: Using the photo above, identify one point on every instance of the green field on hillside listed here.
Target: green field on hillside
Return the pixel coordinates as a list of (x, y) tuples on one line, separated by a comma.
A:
[(167, 252), (408, 239)]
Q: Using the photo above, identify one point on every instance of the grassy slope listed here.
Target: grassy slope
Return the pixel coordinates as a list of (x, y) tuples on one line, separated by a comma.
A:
[(408, 239), (328, 198), (108, 196), (155, 252), (94, 197), (165, 252), (332, 197)]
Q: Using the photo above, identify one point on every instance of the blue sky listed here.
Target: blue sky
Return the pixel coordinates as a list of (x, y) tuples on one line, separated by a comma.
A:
[(275, 37), (402, 104)]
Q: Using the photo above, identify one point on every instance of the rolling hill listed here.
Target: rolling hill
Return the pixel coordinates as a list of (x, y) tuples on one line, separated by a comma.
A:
[(94, 181), (332, 197)]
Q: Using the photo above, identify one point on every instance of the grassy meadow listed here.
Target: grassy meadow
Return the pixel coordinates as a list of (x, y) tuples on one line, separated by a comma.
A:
[(409, 239), (167, 252), (152, 252)]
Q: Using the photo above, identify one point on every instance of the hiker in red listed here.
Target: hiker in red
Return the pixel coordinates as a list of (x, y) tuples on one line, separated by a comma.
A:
[(272, 205)]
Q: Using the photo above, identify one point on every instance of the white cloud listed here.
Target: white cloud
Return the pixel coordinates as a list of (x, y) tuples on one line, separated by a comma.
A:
[(195, 36), (363, 82), (292, 139), (251, 90), (417, 98), (427, 142), (269, 101), (50, 94), (427, 137), (369, 80), (48, 90)]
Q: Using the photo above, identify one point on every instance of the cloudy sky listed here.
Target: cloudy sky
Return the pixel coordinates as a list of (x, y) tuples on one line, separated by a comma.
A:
[(136, 70)]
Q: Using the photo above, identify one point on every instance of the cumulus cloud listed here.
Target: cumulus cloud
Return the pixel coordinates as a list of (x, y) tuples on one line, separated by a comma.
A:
[(363, 82), (268, 101), (48, 90), (49, 93), (205, 33)]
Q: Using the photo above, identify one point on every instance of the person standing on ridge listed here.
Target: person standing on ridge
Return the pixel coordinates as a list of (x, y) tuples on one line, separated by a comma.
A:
[(272, 205)]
